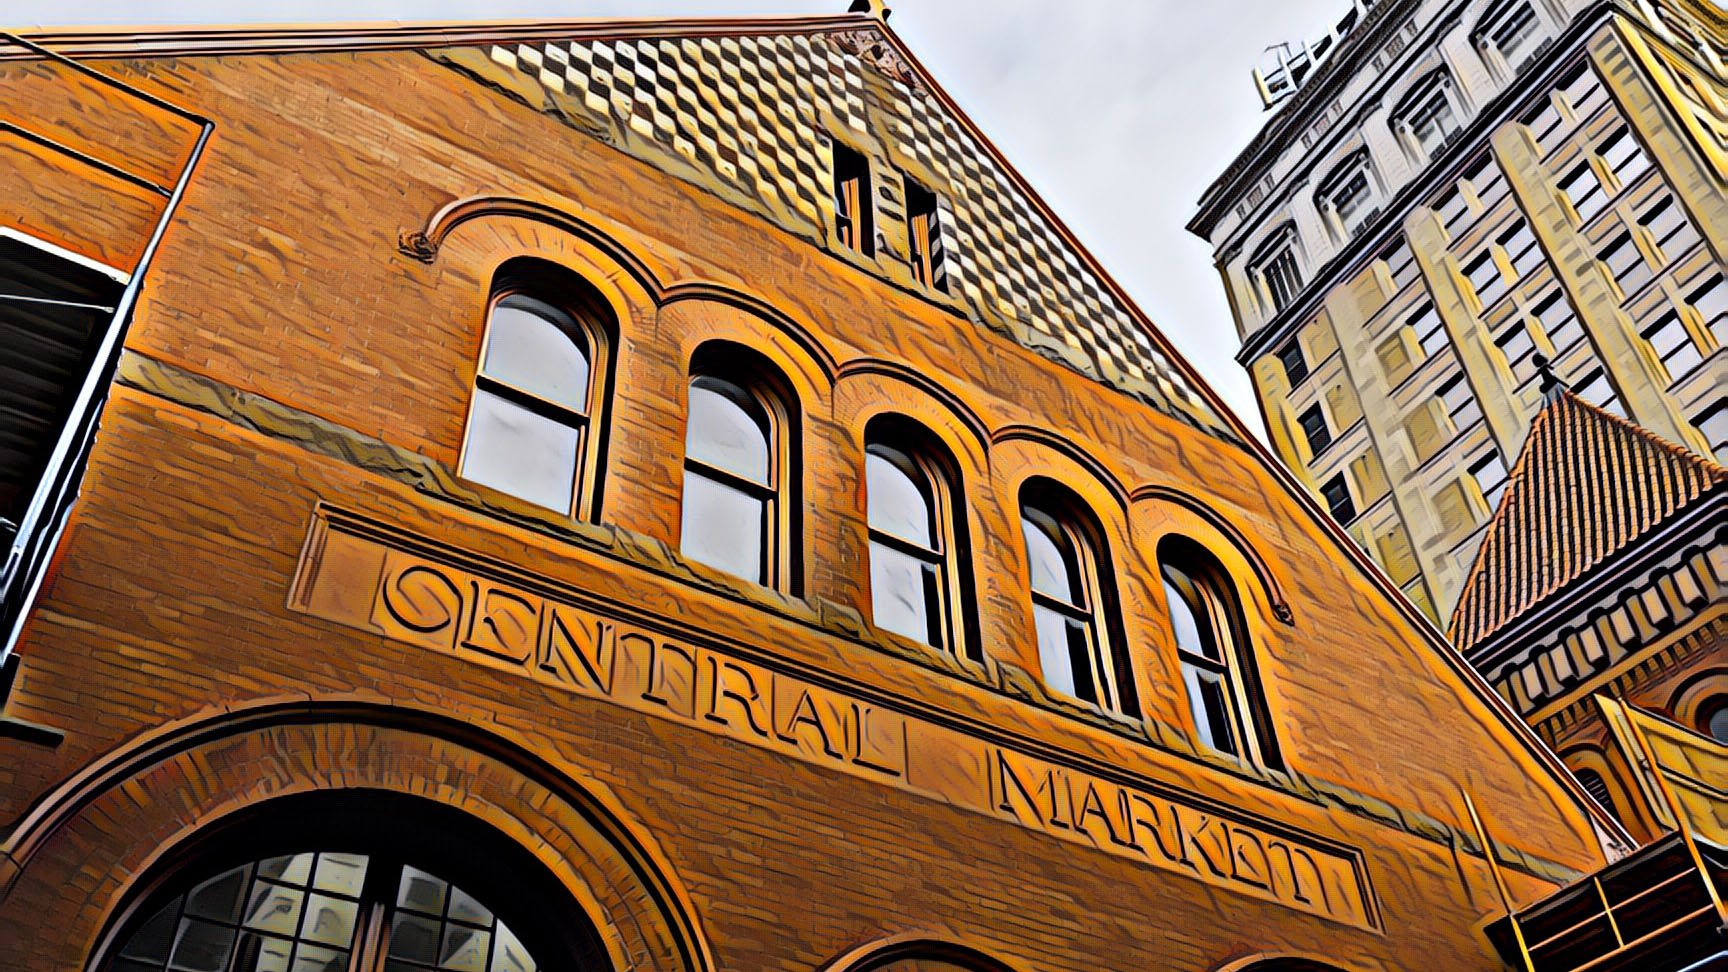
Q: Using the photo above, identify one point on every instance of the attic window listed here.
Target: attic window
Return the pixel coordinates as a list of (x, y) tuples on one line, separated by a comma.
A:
[(924, 234), (853, 219)]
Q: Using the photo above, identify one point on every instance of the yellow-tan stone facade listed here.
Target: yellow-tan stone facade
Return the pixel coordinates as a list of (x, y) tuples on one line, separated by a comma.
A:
[(1575, 209)]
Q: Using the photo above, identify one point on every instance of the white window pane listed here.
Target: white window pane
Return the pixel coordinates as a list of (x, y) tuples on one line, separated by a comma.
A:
[(724, 434), (1048, 557), (521, 453), (723, 527), (899, 505), (1187, 625), (903, 594), (1056, 650), (527, 350), (1209, 700)]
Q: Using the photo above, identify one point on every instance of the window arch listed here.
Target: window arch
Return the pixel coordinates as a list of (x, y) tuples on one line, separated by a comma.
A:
[(1073, 598), (1275, 270), (1217, 663), (536, 416), (1428, 115), (1348, 194), (739, 505), (917, 536)]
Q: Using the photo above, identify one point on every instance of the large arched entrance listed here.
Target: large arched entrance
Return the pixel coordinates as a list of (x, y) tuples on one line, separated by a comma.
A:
[(353, 881)]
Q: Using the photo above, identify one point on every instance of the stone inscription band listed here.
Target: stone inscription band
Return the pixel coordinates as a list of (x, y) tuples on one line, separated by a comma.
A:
[(359, 575)]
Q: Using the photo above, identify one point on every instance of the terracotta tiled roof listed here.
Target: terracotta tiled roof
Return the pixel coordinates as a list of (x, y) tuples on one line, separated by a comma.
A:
[(1587, 484)]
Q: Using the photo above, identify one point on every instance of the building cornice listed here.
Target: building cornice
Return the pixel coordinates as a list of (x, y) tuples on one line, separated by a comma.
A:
[(1298, 113), (1445, 167)]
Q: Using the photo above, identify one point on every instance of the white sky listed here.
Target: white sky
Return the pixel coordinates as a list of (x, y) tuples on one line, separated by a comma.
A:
[(1119, 112)]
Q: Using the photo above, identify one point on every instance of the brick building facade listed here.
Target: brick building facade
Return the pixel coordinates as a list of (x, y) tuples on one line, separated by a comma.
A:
[(296, 689)]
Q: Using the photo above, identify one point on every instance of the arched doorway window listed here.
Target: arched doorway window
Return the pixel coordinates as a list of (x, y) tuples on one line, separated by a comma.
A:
[(352, 882), (323, 911)]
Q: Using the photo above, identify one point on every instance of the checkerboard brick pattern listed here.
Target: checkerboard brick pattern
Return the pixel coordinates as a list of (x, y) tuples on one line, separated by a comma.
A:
[(748, 111)]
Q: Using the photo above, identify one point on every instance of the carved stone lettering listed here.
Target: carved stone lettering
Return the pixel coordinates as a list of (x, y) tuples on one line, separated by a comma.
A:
[(354, 578)]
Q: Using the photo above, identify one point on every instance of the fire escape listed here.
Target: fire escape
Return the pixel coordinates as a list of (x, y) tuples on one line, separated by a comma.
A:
[(98, 168)]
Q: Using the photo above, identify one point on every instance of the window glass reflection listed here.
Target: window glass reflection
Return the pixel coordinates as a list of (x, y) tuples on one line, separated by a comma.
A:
[(532, 348), (899, 503), (727, 430), (724, 527), (311, 912), (518, 452)]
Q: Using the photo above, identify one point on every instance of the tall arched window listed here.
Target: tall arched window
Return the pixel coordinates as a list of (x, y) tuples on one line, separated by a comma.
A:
[(736, 512), (538, 391), (1347, 195), (1428, 115), (1597, 787), (1217, 668), (917, 539), (1275, 270), (1072, 598)]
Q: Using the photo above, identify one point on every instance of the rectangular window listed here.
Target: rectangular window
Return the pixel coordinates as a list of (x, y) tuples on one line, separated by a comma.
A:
[(1314, 427), (1625, 264), (1295, 363), (1337, 494), (1584, 191), (1460, 403), (854, 219), (1401, 265), (1582, 92), (1559, 323), (1352, 202), (1490, 475), (1453, 212), (1714, 425), (1625, 157), (1598, 391), (1487, 182), (1542, 122), (1430, 330), (1669, 228), (1521, 249), (1711, 303), (1485, 279), (1673, 346), (1520, 351), (924, 234)]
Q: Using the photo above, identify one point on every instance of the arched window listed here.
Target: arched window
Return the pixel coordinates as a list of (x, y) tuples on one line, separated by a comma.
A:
[(1275, 270), (535, 414), (916, 537), (1347, 196), (1211, 643), (737, 447), (1428, 115), (1597, 787), (1713, 719), (1508, 29), (1072, 598), (323, 911), (337, 881)]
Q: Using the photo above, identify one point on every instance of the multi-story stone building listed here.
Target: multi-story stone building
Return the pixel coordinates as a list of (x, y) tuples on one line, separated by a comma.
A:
[(1446, 190), (666, 496)]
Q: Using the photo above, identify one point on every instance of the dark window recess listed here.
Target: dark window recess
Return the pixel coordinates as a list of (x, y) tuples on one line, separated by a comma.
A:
[(1597, 787), (1337, 494), (924, 233), (854, 221), (51, 310), (1314, 427), (1295, 363)]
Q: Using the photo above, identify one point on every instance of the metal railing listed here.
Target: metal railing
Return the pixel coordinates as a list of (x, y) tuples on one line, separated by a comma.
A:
[(29, 544)]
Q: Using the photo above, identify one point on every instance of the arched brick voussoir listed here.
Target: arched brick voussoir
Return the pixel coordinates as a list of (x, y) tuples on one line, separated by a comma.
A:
[(84, 850)]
